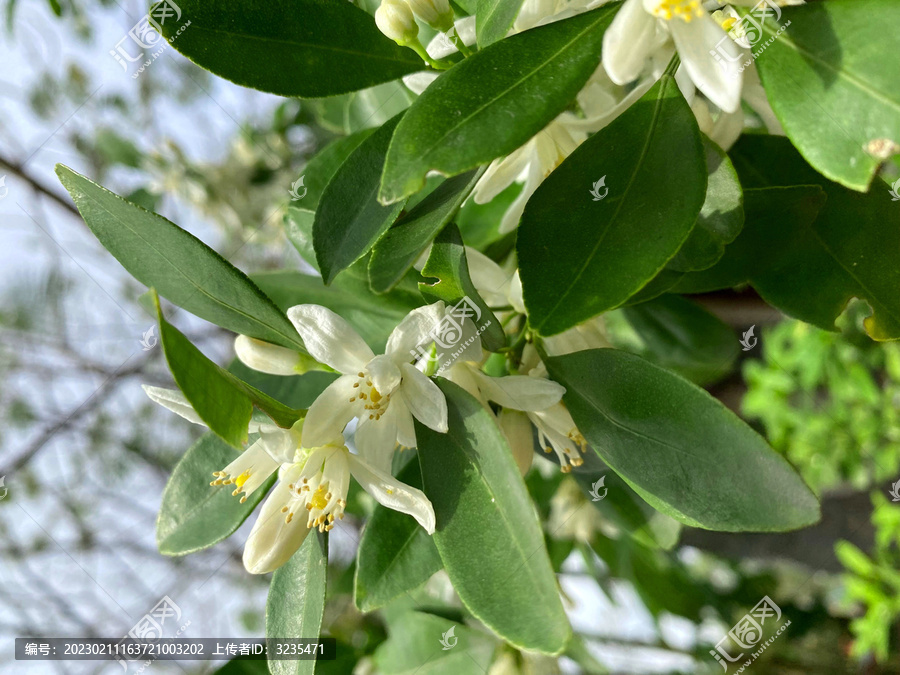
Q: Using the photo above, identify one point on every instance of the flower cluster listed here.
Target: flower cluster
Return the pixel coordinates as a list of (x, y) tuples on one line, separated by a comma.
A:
[(383, 394)]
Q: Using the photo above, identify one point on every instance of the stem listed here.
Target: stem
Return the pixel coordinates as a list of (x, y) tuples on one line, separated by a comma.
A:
[(417, 47)]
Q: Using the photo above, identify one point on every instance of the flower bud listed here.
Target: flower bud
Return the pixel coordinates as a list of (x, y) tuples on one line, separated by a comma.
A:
[(436, 13), (268, 358), (395, 19)]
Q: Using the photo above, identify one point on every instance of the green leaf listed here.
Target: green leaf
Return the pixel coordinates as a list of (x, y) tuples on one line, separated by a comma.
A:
[(243, 665), (623, 508), (297, 601), (464, 118), (414, 647), (365, 109), (681, 336), (578, 256), (402, 245), (349, 219), (447, 263), (795, 240), (300, 216), (678, 447), (395, 554), (494, 18), (295, 391), (194, 514), (721, 217), (487, 532), (179, 266), (831, 86), (221, 400), (373, 316), (304, 48)]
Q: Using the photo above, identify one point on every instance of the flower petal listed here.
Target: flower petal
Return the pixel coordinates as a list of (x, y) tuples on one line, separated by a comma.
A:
[(719, 79), (425, 400), (376, 440), (174, 400), (520, 392), (628, 41), (329, 413), (330, 339), (516, 427), (393, 494), (273, 541), (416, 329)]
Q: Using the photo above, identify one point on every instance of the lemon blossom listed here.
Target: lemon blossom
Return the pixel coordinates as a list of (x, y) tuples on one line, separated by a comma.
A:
[(312, 483), (384, 392), (641, 30), (259, 461), (311, 493)]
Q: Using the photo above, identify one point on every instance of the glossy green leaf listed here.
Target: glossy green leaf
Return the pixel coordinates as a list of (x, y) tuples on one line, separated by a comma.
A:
[(296, 601), (301, 214), (373, 316), (681, 336), (487, 532), (415, 647), (349, 219), (837, 241), (179, 266), (304, 48), (395, 554), (402, 245), (464, 118), (833, 87), (447, 263), (194, 514), (494, 18), (721, 216), (678, 447), (221, 400), (579, 256)]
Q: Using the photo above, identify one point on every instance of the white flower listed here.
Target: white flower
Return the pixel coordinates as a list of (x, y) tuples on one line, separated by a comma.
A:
[(496, 286), (254, 466), (314, 487), (314, 480), (385, 392), (640, 30)]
